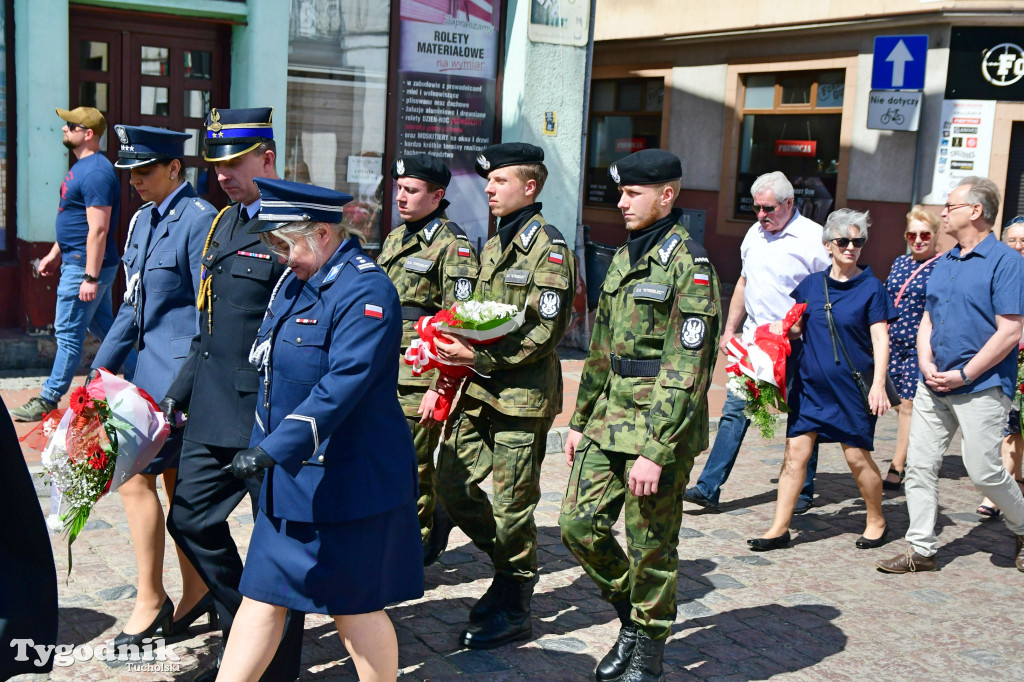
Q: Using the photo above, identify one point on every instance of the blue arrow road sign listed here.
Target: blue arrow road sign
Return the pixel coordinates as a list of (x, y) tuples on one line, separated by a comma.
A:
[(899, 62)]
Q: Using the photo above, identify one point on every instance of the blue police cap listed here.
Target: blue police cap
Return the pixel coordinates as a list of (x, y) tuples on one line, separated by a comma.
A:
[(233, 132), (145, 145), (507, 154), (284, 201)]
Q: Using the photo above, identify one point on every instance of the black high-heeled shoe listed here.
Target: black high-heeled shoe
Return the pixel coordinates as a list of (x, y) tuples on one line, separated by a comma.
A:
[(768, 544), (161, 625), (204, 606), (890, 485)]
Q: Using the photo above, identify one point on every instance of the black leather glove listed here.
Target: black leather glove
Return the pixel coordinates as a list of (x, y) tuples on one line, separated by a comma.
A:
[(93, 373), (250, 463), (169, 406)]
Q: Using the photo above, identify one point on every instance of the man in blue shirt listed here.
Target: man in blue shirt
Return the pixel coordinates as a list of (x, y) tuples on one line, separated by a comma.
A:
[(967, 351), (85, 253)]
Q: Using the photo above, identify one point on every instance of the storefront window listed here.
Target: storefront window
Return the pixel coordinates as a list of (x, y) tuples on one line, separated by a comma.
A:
[(337, 98), (791, 123), (625, 117)]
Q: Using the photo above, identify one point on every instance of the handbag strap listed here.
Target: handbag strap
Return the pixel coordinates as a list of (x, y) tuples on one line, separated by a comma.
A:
[(836, 339), (920, 267)]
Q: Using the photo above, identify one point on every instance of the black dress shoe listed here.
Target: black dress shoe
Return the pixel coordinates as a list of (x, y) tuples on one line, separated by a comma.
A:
[(205, 606), (161, 625), (865, 543), (768, 544)]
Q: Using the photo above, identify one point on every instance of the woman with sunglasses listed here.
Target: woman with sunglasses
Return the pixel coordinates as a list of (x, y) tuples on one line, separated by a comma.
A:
[(906, 284), (1013, 443), (825, 402)]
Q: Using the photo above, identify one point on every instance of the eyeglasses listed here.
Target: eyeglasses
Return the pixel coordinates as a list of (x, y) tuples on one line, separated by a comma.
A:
[(843, 242), (72, 127), (767, 209), (950, 207), (914, 236)]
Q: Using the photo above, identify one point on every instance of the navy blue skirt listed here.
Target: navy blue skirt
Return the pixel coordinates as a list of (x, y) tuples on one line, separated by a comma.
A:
[(337, 569), (168, 456)]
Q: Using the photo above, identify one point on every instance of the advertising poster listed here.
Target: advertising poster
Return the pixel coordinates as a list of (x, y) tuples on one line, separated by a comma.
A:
[(447, 71), (965, 145)]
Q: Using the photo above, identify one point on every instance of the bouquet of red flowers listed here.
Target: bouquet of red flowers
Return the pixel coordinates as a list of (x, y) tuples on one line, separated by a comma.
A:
[(757, 371), (480, 322), (112, 431)]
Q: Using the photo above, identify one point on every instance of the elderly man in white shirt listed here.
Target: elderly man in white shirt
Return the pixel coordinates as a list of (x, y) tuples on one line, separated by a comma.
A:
[(779, 250)]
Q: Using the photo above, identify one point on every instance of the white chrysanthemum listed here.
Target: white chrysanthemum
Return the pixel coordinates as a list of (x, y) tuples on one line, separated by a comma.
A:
[(485, 311), (54, 523)]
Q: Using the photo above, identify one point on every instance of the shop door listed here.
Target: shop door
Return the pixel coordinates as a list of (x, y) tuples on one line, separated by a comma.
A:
[(156, 70)]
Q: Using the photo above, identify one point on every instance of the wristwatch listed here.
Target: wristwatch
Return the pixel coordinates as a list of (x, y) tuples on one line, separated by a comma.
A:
[(967, 380), (89, 278)]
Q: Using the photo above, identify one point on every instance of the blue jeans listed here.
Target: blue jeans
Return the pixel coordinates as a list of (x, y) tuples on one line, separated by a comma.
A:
[(73, 318), (731, 429)]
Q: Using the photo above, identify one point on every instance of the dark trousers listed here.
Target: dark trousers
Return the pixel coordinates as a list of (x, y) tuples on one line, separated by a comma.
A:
[(204, 497)]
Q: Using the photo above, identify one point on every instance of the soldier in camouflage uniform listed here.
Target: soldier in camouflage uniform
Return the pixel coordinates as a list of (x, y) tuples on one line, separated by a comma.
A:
[(433, 265), (641, 415), (506, 410)]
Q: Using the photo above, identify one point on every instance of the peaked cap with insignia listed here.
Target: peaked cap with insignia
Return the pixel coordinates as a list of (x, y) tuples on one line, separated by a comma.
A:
[(422, 166), (646, 167), (507, 154), (233, 132), (284, 201), (145, 145)]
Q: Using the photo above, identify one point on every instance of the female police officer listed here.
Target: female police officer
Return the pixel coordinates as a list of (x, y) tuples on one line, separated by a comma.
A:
[(161, 259), (337, 531)]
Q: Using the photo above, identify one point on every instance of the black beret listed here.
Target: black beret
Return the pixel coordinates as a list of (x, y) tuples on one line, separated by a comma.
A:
[(422, 166), (507, 154), (646, 167)]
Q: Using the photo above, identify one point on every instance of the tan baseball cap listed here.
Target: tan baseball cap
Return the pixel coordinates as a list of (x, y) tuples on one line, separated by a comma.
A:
[(85, 116)]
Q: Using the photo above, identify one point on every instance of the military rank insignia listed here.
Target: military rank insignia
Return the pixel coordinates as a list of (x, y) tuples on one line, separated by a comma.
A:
[(374, 311), (549, 304)]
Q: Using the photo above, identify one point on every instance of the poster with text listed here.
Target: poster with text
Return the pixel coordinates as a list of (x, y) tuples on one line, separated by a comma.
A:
[(447, 72), (965, 145)]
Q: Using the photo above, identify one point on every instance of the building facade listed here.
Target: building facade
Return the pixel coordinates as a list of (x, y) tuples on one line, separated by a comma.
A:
[(824, 92)]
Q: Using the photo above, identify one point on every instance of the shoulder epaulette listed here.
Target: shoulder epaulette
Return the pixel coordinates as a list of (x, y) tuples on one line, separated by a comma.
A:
[(698, 252), (362, 263), (198, 203), (457, 231), (554, 235)]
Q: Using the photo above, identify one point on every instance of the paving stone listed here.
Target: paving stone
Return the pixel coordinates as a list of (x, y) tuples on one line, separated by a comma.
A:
[(570, 644), (984, 657), (967, 517), (96, 524), (455, 557), (689, 533), (929, 596), (724, 582), (692, 609), (810, 523), (725, 534), (472, 661), (244, 519), (552, 497), (119, 592), (740, 512), (752, 560)]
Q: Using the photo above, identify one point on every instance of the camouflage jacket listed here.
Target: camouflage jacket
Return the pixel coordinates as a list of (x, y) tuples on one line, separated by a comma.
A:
[(536, 270), (432, 270), (666, 308)]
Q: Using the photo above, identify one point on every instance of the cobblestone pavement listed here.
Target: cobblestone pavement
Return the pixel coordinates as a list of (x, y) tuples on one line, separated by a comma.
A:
[(817, 610)]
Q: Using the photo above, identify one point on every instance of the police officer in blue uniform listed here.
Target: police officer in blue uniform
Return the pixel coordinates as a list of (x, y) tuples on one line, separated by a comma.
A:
[(161, 264), (337, 531), (216, 384)]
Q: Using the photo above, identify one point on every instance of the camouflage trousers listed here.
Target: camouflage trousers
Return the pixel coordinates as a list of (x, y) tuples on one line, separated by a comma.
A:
[(485, 442), (425, 440), (645, 574)]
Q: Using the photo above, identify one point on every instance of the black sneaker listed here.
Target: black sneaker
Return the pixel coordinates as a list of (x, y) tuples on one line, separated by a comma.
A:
[(34, 410)]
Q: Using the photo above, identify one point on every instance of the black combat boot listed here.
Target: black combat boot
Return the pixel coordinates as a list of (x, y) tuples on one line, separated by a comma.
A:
[(510, 622), (617, 660), (437, 541), (486, 606), (645, 665)]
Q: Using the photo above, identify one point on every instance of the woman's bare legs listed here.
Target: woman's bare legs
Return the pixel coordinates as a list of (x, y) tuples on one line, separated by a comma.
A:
[(370, 639), (255, 636), (791, 481), (899, 457), (192, 586), (869, 482), (1012, 451)]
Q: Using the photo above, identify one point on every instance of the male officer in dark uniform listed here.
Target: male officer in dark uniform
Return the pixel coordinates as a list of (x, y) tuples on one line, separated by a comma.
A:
[(432, 264), (216, 384), (503, 417), (642, 413)]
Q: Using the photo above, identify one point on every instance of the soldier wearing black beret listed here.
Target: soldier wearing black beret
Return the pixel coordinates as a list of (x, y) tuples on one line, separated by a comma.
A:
[(641, 413), (507, 408), (216, 383), (433, 265)]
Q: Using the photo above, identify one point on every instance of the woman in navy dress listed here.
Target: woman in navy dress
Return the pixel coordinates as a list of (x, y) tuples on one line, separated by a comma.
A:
[(922, 239), (337, 531), (161, 263), (825, 402)]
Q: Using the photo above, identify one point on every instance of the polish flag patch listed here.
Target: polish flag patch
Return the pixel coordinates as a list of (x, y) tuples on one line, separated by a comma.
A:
[(370, 310), (555, 257), (700, 278), (464, 251)]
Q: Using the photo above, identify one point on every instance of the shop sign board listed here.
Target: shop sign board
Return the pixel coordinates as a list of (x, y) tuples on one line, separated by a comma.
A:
[(965, 145), (986, 63), (796, 148), (894, 110)]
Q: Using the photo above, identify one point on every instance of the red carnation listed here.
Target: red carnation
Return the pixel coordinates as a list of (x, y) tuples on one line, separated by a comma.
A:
[(98, 459), (81, 400), (753, 388)]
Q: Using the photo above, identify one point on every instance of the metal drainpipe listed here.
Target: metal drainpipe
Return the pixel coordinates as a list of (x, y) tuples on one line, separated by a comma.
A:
[(580, 251)]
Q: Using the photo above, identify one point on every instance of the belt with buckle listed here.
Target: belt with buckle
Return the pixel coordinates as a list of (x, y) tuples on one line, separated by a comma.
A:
[(631, 367)]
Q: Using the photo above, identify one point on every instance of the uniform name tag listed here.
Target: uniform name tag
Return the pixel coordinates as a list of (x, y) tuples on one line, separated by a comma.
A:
[(517, 277), (651, 292), (418, 264)]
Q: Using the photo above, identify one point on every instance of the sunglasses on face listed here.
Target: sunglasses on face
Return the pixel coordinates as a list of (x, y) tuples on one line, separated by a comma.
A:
[(72, 127), (914, 236), (843, 242), (767, 209)]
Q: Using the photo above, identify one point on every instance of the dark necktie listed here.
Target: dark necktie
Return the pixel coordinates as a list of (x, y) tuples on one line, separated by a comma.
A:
[(243, 215)]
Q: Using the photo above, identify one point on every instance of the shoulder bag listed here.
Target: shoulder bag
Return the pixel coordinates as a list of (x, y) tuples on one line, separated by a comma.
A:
[(858, 378)]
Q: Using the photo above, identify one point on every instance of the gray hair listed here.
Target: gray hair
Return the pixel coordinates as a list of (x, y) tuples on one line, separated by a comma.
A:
[(839, 222), (984, 192), (775, 182)]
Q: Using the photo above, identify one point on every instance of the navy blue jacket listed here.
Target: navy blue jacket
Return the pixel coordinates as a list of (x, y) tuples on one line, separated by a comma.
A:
[(164, 318), (328, 413)]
